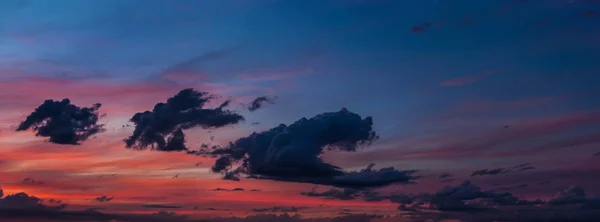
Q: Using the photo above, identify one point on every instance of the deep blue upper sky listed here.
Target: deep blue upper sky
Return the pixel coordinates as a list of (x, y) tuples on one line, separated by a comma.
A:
[(439, 74)]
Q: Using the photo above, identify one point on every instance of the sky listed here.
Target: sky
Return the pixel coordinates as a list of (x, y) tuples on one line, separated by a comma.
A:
[(459, 104)]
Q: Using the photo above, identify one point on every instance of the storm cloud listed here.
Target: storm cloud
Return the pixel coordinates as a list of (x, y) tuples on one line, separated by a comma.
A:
[(293, 153), (162, 128), (63, 122)]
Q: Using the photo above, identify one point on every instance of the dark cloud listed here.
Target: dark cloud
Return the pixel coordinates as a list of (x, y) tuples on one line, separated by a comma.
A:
[(354, 194), (334, 194), (32, 181), (259, 102), (232, 190), (575, 195), (421, 27), (23, 206), (520, 167), (63, 122), (104, 199), (182, 111), (293, 153), (279, 209), (255, 190), (489, 172), (469, 197), (460, 203), (597, 154), (297, 218), (512, 187), (444, 176), (24, 201), (161, 206)]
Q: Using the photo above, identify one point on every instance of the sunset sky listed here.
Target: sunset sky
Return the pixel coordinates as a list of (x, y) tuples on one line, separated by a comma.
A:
[(502, 93)]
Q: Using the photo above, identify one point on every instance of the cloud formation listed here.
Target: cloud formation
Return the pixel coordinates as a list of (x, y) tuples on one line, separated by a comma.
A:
[(63, 122), (496, 171), (292, 153), (168, 120), (104, 199), (260, 102)]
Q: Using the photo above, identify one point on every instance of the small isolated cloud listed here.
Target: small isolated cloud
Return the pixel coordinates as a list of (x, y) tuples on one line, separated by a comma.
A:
[(280, 209), (484, 172), (293, 153), (232, 190), (420, 28), (467, 79), (29, 180), (496, 171), (260, 102), (161, 206), (444, 176), (104, 199), (162, 128), (63, 122)]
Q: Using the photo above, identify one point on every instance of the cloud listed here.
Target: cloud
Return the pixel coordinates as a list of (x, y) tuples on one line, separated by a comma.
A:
[(259, 102), (292, 153), (297, 218), (575, 195), (280, 209), (520, 167), (512, 187), (489, 172), (232, 190), (104, 199), (466, 79), (421, 27), (161, 206), (445, 175), (18, 207), (469, 197), (355, 194), (459, 203), (32, 181), (63, 122), (183, 111), (334, 194)]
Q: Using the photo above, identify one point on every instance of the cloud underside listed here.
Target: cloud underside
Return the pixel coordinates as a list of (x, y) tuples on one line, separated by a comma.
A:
[(293, 153)]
